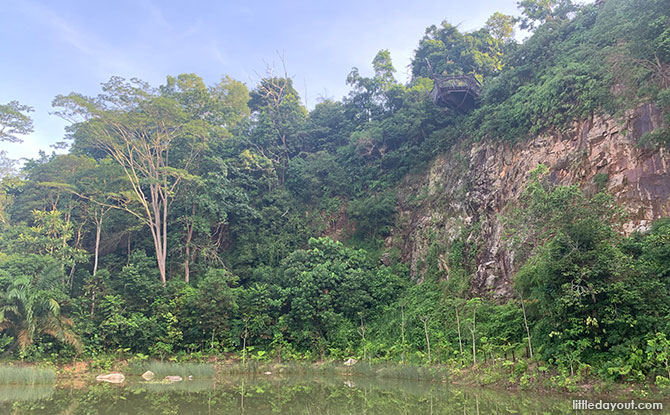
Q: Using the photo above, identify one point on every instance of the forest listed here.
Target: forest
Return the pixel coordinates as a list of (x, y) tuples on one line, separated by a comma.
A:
[(189, 220)]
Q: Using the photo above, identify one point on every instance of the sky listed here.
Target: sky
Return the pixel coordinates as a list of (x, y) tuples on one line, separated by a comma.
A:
[(62, 46)]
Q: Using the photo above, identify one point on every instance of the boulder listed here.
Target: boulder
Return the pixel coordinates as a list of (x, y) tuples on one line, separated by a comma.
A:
[(111, 378), (148, 375), (350, 362), (173, 378)]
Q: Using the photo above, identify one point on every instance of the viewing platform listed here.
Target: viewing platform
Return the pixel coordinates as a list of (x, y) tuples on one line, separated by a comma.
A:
[(456, 92)]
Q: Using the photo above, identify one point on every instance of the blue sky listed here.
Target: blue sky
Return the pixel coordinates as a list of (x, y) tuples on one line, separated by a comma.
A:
[(62, 46)]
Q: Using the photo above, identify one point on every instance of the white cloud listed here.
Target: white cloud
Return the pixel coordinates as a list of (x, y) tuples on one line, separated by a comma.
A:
[(100, 57)]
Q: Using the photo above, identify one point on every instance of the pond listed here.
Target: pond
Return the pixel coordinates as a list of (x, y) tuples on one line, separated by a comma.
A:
[(274, 395)]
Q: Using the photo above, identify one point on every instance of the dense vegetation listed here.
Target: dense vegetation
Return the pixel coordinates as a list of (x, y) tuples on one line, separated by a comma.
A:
[(188, 219)]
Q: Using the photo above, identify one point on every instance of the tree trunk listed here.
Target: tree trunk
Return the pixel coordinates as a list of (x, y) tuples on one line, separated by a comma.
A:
[(425, 330), (98, 231), (93, 302), (164, 256), (187, 247), (362, 330), (525, 323), (187, 270), (402, 330), (244, 348), (458, 327), (472, 330)]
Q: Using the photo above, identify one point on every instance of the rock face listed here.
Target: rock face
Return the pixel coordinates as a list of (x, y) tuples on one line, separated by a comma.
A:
[(111, 378), (473, 185)]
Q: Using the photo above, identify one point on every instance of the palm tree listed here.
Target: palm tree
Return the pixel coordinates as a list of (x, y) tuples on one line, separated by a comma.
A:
[(29, 309)]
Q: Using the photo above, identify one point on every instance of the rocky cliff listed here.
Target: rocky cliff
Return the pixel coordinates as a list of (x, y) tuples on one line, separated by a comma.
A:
[(472, 185)]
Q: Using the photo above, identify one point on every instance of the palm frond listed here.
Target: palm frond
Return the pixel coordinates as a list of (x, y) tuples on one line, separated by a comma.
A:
[(54, 307)]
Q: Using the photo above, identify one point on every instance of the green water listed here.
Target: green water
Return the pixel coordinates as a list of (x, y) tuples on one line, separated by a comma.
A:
[(271, 395)]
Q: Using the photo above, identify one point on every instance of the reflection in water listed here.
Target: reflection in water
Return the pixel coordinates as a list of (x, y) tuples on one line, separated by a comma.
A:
[(263, 395), (13, 393)]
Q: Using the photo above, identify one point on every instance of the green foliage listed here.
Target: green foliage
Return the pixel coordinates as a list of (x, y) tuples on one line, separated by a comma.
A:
[(591, 293), (190, 220), (163, 369), (373, 215), (30, 308), (14, 121), (445, 50), (330, 285), (658, 352)]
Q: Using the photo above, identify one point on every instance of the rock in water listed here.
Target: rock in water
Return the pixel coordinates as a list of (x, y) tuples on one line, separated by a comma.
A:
[(173, 378), (148, 375), (111, 378), (350, 362)]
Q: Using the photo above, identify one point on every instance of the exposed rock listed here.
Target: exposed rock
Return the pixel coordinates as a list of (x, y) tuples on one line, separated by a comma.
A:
[(173, 378), (111, 378), (148, 375), (350, 362), (473, 185), (267, 373)]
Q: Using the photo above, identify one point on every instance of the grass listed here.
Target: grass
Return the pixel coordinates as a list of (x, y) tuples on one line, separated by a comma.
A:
[(390, 371), (21, 393), (409, 372), (193, 386), (289, 368), (162, 369), (26, 375)]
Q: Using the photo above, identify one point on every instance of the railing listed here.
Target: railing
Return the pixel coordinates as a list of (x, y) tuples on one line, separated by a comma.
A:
[(466, 83)]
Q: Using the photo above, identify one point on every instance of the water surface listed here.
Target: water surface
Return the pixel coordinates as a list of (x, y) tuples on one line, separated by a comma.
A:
[(334, 395)]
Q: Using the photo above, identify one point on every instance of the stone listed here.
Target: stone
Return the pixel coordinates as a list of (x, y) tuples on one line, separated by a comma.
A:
[(173, 378), (350, 362), (111, 378), (148, 375)]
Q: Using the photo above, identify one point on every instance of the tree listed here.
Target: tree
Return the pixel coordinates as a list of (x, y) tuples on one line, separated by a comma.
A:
[(444, 50), (327, 286), (280, 116), (100, 186), (370, 98), (29, 309), (501, 26), (540, 11), (13, 121), (150, 136), (384, 69), (7, 165), (203, 206)]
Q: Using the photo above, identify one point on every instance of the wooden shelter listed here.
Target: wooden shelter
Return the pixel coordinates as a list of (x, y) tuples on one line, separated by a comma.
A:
[(456, 92)]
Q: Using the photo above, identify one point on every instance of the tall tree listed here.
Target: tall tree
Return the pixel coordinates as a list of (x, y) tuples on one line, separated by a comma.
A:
[(13, 121), (370, 98), (150, 136), (280, 116), (444, 50), (203, 205), (501, 26), (539, 11)]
